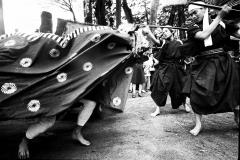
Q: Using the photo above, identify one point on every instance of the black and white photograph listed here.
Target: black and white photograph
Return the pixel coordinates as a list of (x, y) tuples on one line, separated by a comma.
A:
[(119, 79)]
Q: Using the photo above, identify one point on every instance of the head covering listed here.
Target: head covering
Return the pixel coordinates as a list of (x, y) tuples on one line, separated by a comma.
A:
[(193, 6), (208, 40), (169, 27)]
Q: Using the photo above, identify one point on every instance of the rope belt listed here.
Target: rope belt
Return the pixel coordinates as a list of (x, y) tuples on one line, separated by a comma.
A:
[(202, 54), (210, 52)]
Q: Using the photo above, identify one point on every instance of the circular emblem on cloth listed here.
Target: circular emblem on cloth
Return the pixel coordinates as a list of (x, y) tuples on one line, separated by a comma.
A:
[(111, 45), (62, 77), (87, 66), (128, 70), (10, 43), (26, 62), (117, 101), (96, 38), (14, 42), (33, 105), (8, 88), (54, 53)]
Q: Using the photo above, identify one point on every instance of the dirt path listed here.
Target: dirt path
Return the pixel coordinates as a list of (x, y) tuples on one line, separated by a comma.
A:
[(133, 135)]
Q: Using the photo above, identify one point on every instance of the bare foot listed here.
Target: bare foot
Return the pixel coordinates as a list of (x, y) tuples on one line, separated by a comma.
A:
[(23, 152), (156, 113), (187, 108), (196, 130), (77, 135)]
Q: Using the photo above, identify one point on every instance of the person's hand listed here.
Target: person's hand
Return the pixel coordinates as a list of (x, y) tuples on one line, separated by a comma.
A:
[(146, 30), (224, 11)]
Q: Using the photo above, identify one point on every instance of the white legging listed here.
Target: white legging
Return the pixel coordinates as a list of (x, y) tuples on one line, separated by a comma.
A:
[(84, 115), (46, 122), (41, 126)]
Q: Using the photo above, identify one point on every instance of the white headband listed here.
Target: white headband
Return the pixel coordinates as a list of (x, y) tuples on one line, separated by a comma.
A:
[(193, 6), (208, 40)]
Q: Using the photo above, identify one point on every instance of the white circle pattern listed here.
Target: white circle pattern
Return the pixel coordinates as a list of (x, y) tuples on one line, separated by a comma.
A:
[(10, 43), (26, 62), (87, 66), (33, 105), (117, 101), (128, 70), (111, 45), (62, 77), (96, 38), (54, 53), (8, 88)]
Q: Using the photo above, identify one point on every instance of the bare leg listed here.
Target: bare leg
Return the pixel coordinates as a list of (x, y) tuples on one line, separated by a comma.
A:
[(144, 85), (156, 112), (187, 105), (148, 82), (236, 115), (198, 125), (140, 90), (133, 90), (130, 88), (33, 131), (83, 117)]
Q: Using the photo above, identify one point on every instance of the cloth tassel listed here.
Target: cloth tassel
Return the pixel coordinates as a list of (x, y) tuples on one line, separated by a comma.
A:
[(208, 40)]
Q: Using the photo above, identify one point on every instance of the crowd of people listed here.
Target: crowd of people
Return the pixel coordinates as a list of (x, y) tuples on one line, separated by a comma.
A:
[(199, 72), (202, 70)]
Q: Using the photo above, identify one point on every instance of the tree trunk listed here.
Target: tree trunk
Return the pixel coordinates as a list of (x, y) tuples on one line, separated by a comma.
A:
[(61, 26), (100, 12), (2, 29), (153, 12), (73, 14), (127, 11), (172, 15), (46, 22), (118, 12), (181, 20), (88, 18), (146, 13)]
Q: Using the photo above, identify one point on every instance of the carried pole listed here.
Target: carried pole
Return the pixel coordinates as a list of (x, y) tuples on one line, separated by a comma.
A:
[(159, 26), (213, 6)]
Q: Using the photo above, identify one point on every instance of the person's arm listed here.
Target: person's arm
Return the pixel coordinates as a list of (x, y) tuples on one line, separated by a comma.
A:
[(155, 61), (207, 32), (147, 32)]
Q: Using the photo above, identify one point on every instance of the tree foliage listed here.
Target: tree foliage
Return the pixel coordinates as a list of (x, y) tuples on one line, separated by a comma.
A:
[(66, 5)]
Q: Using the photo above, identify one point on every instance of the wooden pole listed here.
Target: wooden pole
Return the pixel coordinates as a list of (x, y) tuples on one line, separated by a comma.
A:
[(212, 6), (157, 26)]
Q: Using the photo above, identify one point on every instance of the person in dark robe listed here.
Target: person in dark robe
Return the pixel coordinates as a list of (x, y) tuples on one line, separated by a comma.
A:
[(214, 84), (138, 78), (167, 78)]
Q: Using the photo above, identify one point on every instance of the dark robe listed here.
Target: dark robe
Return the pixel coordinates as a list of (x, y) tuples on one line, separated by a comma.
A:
[(138, 71), (214, 86), (167, 77)]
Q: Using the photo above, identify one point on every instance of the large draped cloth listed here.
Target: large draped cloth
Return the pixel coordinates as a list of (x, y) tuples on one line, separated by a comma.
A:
[(43, 74)]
